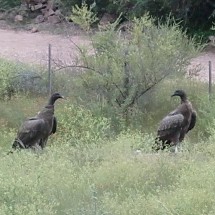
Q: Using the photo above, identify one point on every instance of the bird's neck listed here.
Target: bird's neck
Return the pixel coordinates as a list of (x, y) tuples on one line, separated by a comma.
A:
[(183, 99), (51, 101)]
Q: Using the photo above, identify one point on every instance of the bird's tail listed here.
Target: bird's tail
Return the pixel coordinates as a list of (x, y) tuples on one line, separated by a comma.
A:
[(18, 144)]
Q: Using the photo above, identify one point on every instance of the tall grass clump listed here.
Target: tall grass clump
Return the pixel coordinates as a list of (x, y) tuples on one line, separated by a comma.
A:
[(80, 126), (16, 77)]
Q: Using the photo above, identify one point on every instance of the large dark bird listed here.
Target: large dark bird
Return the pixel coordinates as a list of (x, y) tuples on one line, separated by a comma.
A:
[(35, 131), (173, 127)]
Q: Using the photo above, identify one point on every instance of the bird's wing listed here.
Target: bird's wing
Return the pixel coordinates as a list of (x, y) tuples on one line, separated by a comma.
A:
[(192, 121), (31, 131), (170, 123), (54, 127)]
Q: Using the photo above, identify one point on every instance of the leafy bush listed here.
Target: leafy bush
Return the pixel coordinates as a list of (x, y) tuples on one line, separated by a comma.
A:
[(83, 16), (79, 126), (125, 68), (21, 78)]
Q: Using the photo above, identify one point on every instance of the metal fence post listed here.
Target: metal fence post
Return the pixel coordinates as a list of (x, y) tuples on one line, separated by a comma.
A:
[(210, 80), (49, 71)]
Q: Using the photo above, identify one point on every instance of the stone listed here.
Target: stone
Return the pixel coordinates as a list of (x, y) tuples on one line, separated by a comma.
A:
[(50, 5), (44, 11), (2, 15), (51, 12), (37, 7), (58, 13), (212, 39), (54, 19), (39, 19), (106, 19), (34, 30), (18, 18), (48, 13)]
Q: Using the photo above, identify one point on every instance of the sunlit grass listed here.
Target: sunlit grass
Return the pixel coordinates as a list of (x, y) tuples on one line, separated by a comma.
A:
[(90, 168), (85, 171), (108, 178)]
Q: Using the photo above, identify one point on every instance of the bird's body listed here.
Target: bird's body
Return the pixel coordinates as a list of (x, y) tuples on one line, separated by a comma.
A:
[(34, 132), (173, 127)]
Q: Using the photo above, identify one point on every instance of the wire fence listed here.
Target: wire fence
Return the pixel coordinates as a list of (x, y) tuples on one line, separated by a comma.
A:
[(201, 64)]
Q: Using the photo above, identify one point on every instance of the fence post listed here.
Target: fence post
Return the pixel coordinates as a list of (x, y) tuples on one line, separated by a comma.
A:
[(49, 71), (210, 80)]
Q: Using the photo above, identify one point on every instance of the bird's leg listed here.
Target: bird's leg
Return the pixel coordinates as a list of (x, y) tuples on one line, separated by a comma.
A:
[(177, 143), (18, 144), (180, 146), (176, 148)]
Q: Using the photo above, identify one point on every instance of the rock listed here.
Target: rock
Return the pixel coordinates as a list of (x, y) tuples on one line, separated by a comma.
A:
[(50, 12), (58, 13), (34, 30), (212, 39), (40, 1), (18, 18), (23, 12), (39, 19), (126, 26), (50, 5), (37, 7), (11, 15), (54, 19), (106, 19), (2, 15), (44, 11)]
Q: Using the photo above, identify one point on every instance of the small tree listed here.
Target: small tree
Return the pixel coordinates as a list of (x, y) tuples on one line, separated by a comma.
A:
[(83, 16), (123, 68)]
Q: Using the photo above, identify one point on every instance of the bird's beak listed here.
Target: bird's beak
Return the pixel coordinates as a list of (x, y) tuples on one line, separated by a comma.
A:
[(62, 97), (173, 95)]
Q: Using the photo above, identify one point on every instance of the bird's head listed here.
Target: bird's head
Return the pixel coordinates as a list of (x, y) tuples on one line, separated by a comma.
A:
[(54, 97), (181, 94)]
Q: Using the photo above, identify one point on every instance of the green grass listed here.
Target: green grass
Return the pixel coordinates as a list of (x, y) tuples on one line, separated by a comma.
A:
[(85, 171), (108, 178), (89, 168)]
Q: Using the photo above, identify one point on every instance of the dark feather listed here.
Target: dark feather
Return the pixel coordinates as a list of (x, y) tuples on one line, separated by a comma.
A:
[(175, 125), (193, 121), (36, 130), (169, 124), (54, 127)]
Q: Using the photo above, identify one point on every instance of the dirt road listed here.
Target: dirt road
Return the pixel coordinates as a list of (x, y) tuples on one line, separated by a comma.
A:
[(33, 48)]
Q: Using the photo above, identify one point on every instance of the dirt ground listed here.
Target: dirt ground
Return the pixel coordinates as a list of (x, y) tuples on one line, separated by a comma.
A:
[(28, 47)]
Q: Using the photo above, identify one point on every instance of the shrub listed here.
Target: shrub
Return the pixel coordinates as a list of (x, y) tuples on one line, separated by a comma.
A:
[(83, 16), (123, 70), (21, 78), (7, 4), (79, 126)]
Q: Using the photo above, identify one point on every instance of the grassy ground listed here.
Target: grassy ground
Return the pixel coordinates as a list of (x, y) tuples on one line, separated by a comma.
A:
[(107, 177), (88, 168), (86, 171)]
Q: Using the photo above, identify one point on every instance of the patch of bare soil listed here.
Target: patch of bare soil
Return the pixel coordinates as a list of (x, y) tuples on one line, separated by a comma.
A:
[(202, 63), (27, 47)]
